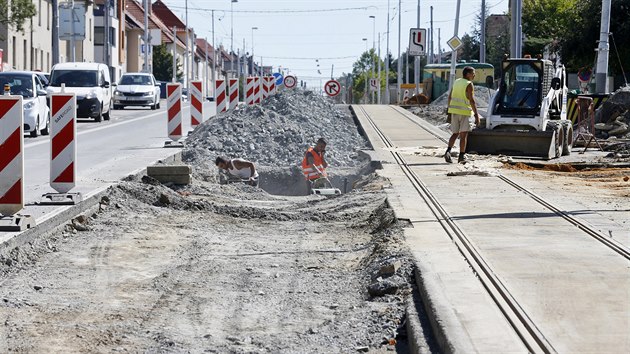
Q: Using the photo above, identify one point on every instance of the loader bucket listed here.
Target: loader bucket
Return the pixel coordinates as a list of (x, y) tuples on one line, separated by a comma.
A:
[(530, 144)]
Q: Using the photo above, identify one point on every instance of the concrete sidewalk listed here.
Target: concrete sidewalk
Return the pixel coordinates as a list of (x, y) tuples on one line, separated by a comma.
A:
[(574, 289)]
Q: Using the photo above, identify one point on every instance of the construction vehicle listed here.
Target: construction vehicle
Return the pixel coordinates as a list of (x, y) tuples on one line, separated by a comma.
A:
[(527, 116)]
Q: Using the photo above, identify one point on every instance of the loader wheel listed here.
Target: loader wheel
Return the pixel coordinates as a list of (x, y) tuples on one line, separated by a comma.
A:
[(568, 139)]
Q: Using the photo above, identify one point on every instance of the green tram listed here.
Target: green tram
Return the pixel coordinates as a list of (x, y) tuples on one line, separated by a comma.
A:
[(439, 73)]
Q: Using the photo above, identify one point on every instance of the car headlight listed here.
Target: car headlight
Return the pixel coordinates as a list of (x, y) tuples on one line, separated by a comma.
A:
[(90, 95), (117, 93), (29, 105)]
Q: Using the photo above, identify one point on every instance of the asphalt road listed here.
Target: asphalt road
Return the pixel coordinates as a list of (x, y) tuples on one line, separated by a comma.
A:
[(106, 152)]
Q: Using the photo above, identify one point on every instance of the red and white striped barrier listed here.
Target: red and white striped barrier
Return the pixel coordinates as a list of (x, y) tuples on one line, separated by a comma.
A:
[(63, 151), (11, 155), (257, 90), (233, 93), (274, 88), (174, 109), (220, 96), (267, 80), (196, 103), (250, 92)]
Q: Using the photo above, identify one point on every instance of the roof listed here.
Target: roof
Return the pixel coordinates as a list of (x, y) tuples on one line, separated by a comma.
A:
[(166, 15), (135, 12), (78, 65), (200, 45)]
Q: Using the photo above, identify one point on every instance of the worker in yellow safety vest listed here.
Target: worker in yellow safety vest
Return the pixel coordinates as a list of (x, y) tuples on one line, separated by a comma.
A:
[(461, 110), (314, 163)]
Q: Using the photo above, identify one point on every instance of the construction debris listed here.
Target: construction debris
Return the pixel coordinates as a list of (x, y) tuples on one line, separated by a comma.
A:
[(612, 119)]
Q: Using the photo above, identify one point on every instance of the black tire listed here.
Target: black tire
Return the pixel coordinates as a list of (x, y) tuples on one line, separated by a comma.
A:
[(106, 116), (46, 131), (99, 117), (158, 104), (153, 107), (567, 143), (35, 132), (117, 107)]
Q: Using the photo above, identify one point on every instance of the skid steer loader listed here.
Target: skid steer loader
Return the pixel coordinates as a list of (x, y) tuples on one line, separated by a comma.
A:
[(527, 116)]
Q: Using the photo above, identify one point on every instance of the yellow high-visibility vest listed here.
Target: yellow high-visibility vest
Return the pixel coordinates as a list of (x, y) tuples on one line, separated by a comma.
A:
[(459, 102)]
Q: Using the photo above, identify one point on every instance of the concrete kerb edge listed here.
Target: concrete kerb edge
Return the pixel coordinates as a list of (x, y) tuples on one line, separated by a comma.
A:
[(51, 224), (424, 285)]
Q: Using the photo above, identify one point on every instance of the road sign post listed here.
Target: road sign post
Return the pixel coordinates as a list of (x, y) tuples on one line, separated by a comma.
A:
[(63, 150), (12, 165), (174, 115)]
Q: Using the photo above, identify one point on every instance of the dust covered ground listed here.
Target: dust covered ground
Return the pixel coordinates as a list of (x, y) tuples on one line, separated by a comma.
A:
[(211, 268)]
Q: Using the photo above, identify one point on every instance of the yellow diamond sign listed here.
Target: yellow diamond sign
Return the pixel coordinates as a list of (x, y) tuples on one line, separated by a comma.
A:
[(454, 43)]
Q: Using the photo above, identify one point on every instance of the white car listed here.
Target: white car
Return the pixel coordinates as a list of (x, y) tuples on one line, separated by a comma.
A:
[(137, 89), (36, 112), (89, 82)]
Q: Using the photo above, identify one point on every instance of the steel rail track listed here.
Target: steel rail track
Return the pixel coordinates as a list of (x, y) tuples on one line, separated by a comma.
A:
[(587, 229), (531, 336)]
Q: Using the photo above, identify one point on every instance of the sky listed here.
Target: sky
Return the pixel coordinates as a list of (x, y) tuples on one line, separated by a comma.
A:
[(299, 35)]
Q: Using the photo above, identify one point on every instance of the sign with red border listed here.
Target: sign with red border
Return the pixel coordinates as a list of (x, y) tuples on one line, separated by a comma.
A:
[(332, 88), (290, 81)]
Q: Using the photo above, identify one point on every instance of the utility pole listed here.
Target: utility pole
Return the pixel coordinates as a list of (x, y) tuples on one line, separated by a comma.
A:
[(174, 77), (207, 67), (516, 30), (482, 44), (232, 26), (366, 73), (601, 72), (407, 66), (186, 65), (439, 46), (399, 81), (106, 39), (214, 60), (416, 61), (55, 32), (372, 55), (378, 80), (73, 50), (431, 44), (147, 3), (387, 60), (451, 80)]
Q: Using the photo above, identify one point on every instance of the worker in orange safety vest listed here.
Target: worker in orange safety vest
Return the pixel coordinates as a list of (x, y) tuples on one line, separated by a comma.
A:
[(314, 163)]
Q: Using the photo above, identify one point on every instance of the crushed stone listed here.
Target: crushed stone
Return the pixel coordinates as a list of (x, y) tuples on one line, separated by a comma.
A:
[(277, 132)]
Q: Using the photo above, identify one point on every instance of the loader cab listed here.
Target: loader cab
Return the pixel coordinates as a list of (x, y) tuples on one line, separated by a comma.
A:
[(521, 89)]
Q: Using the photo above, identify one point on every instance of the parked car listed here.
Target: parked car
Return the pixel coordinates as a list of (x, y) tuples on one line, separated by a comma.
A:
[(43, 77), (137, 89), (29, 86), (91, 84)]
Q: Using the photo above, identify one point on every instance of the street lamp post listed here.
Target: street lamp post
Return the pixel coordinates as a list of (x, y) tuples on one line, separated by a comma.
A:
[(387, 60), (372, 53), (399, 81), (253, 66), (232, 26), (366, 74)]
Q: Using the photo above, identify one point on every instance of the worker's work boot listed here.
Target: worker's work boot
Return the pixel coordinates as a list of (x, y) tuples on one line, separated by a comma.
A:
[(447, 157), (462, 158)]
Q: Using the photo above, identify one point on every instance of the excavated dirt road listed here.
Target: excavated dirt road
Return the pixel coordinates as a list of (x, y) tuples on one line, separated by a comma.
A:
[(211, 268)]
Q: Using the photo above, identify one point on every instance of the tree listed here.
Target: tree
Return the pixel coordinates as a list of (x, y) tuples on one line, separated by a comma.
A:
[(545, 22), (470, 48), (163, 64), (14, 13), (361, 71)]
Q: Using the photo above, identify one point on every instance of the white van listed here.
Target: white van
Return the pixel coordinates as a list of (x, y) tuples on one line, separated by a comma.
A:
[(91, 84)]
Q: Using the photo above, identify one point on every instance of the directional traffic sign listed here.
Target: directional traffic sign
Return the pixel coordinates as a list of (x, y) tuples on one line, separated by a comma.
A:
[(374, 83), (332, 88), (290, 81), (417, 41), (279, 78)]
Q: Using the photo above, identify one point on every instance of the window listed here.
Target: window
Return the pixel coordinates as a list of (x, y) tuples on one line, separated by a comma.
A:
[(74, 78), (48, 5), (99, 37), (90, 27), (25, 52), (39, 13), (13, 53)]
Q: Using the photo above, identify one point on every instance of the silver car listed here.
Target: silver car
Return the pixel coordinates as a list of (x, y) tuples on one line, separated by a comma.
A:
[(137, 89), (36, 112)]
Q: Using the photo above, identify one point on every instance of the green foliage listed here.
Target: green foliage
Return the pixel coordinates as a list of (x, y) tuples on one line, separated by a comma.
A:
[(361, 71), (470, 48), (163, 64), (15, 12), (545, 22)]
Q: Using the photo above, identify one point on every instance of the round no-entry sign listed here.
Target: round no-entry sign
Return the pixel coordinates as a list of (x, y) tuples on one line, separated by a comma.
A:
[(290, 81), (332, 88)]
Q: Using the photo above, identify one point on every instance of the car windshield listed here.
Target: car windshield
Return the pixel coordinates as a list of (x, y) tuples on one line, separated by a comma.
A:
[(20, 84), (521, 87), (74, 78), (135, 80)]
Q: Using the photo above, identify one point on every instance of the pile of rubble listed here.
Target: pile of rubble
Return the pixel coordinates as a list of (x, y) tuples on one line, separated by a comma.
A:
[(277, 132), (612, 119)]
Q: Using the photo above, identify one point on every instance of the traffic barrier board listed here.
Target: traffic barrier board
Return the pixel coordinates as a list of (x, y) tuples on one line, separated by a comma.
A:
[(221, 96), (11, 155), (257, 89), (63, 151), (174, 111), (332, 88), (196, 103), (290, 81), (249, 91), (233, 93)]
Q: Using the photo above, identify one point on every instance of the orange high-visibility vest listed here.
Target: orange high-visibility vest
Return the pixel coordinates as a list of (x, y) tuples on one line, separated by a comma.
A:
[(309, 171)]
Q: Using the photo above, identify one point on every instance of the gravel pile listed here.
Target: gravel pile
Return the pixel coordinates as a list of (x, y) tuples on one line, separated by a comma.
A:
[(613, 117), (277, 132)]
